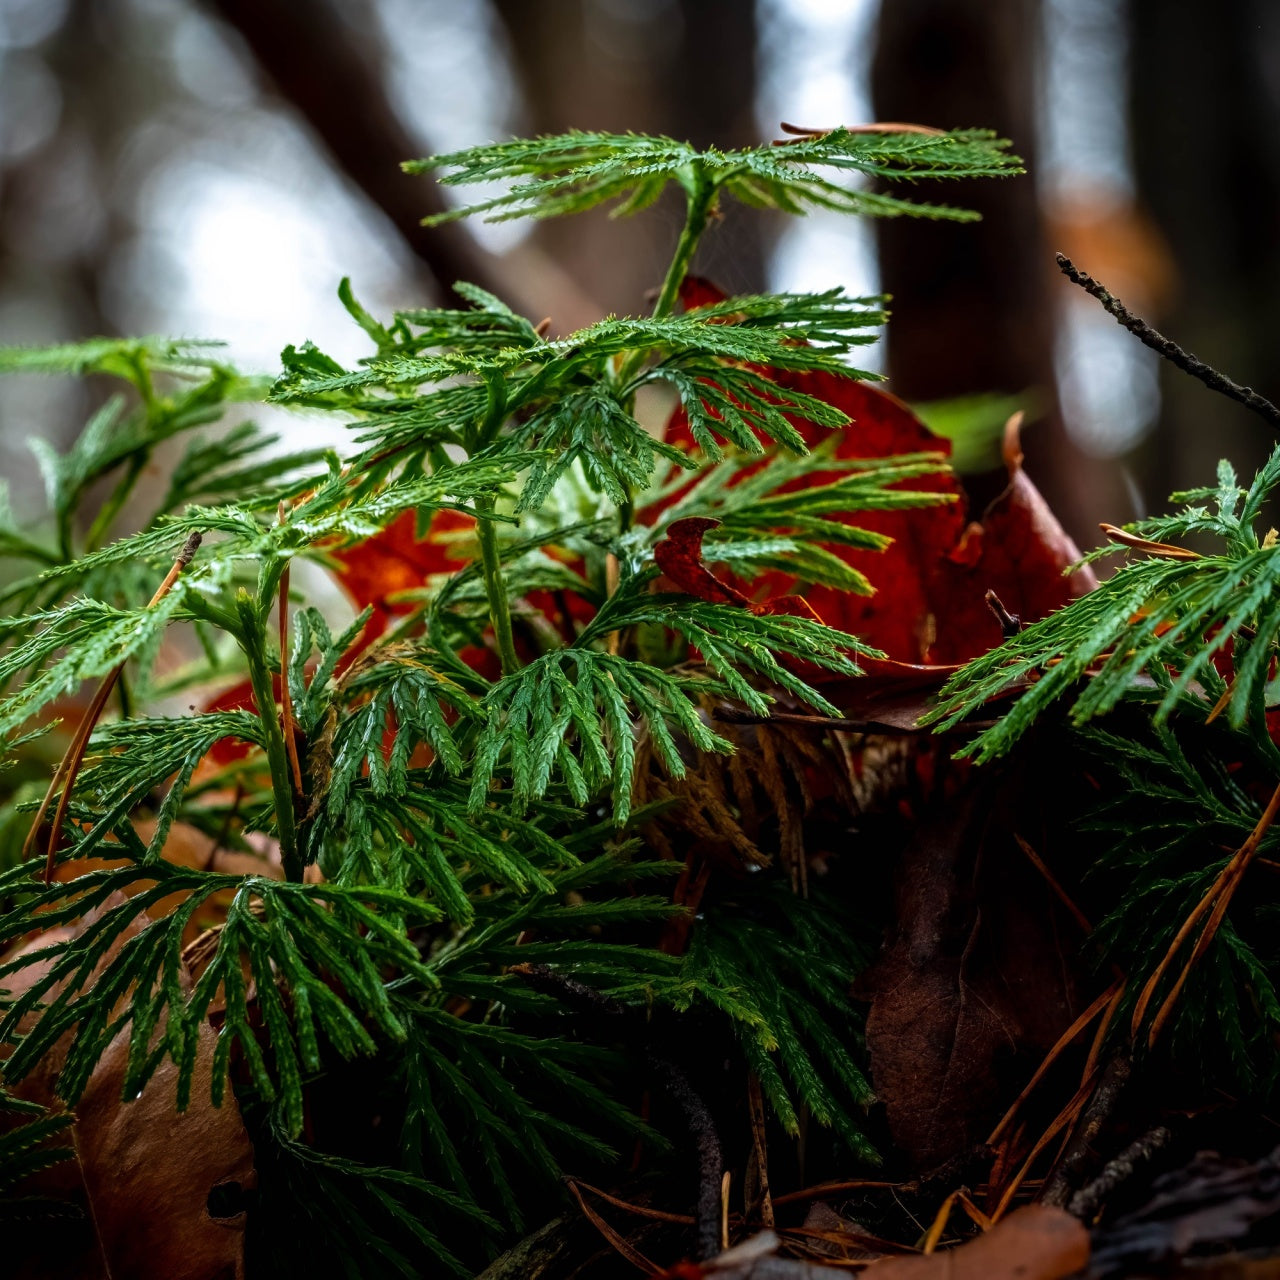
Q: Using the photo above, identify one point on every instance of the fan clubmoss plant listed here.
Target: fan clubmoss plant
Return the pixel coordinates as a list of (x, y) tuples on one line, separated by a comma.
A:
[(442, 788)]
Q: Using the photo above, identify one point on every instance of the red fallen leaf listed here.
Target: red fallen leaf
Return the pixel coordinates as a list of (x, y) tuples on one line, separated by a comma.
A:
[(930, 605), (1019, 551), (395, 560), (679, 556)]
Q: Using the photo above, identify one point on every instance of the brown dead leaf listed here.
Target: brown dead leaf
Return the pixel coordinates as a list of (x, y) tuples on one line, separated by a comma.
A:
[(1035, 1243), (143, 1172), (980, 976)]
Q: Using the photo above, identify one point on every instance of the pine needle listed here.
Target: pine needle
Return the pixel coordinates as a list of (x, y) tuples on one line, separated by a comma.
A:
[(69, 765)]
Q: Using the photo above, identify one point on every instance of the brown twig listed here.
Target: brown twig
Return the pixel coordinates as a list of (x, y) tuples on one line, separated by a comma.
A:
[(69, 765), (1100, 1036), (958, 1197), (1064, 1040), (1057, 1187), (616, 1241), (735, 715), (1065, 1117), (1052, 881), (1010, 623), (760, 1152), (1166, 347), (801, 133), (640, 1210), (837, 1188)]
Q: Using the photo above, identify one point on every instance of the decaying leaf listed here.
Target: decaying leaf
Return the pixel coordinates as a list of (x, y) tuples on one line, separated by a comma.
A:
[(162, 1191), (374, 571), (931, 581), (978, 980), (679, 556), (1035, 1243)]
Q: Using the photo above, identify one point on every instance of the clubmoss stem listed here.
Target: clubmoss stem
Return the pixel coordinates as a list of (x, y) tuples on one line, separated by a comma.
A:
[(277, 755), (495, 589)]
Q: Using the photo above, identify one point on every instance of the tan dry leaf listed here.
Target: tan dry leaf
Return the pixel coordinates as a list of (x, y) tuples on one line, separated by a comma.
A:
[(1035, 1243), (143, 1171)]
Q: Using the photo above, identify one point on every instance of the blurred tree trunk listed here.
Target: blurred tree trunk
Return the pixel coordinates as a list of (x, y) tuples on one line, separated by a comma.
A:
[(684, 68), (1205, 102), (974, 304), (60, 236), (324, 61)]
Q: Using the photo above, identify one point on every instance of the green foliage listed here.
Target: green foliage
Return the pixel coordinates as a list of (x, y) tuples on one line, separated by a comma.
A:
[(786, 515), (333, 1214), (1174, 807), (1153, 630), (28, 1145), (1178, 650), (462, 820), (297, 933), (554, 176), (781, 967)]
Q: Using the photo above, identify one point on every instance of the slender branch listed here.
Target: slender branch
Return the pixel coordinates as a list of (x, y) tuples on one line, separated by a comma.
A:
[(277, 754), (1166, 347), (697, 212), (1089, 1199), (69, 766), (494, 588), (286, 699), (1058, 1186)]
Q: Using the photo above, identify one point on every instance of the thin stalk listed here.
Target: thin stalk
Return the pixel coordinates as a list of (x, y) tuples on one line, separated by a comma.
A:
[(697, 210), (286, 701), (494, 588), (277, 755)]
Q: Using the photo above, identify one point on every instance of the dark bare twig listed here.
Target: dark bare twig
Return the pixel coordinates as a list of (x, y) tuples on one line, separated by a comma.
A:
[(672, 1078), (736, 715), (1166, 347), (1090, 1198), (740, 715), (1010, 623), (1058, 1186)]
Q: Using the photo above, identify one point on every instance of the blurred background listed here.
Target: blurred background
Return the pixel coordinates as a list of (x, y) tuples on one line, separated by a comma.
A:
[(214, 168)]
